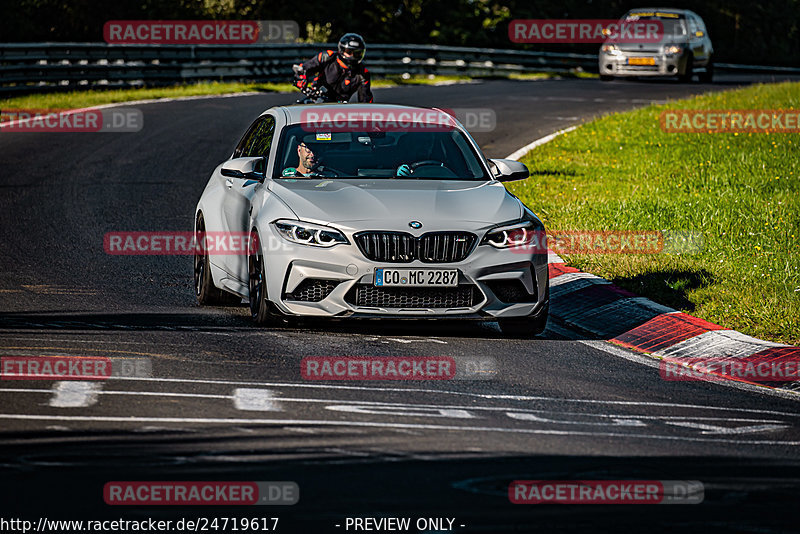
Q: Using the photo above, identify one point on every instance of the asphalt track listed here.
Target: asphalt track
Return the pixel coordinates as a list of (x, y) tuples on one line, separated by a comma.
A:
[(226, 400)]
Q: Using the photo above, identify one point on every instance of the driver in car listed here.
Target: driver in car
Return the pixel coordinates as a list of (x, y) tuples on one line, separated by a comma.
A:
[(308, 164)]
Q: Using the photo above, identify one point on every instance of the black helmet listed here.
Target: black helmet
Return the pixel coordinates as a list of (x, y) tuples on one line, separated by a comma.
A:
[(354, 44)]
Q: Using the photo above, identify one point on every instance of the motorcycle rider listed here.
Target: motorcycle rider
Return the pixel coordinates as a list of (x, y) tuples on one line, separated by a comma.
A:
[(335, 75)]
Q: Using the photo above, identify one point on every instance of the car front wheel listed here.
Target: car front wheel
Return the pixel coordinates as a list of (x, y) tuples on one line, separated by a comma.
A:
[(688, 71), (707, 76), (261, 309)]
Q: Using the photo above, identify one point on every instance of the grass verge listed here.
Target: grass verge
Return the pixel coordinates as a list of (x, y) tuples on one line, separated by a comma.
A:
[(741, 191), (98, 97)]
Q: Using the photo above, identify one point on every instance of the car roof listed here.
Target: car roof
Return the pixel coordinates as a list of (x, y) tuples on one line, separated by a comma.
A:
[(295, 113), (664, 10)]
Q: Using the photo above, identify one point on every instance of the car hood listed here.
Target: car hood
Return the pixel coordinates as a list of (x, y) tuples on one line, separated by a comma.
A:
[(393, 203)]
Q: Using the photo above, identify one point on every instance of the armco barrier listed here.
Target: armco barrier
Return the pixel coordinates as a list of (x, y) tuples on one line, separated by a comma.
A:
[(40, 67)]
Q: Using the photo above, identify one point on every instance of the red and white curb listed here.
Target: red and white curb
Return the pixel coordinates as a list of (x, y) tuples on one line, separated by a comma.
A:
[(595, 306)]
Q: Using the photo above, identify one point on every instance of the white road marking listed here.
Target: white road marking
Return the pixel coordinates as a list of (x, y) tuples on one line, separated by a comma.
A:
[(714, 429), (546, 139), (414, 411), (258, 396), (535, 418), (70, 394), (326, 422), (448, 392), (423, 340), (568, 98), (302, 430), (256, 400)]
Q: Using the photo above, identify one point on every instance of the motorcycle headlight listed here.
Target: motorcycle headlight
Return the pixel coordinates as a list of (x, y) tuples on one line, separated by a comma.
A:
[(527, 234), (610, 49), (672, 50), (305, 233)]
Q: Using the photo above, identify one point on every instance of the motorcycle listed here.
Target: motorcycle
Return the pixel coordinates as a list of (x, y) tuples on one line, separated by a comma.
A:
[(314, 94)]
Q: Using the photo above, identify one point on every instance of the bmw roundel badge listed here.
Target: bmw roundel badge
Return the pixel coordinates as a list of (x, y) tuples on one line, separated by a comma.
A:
[(415, 224)]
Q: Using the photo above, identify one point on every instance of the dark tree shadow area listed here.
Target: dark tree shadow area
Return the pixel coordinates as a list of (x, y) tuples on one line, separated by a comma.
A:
[(667, 287)]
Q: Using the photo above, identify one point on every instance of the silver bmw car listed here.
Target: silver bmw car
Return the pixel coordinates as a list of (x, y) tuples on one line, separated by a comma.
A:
[(371, 211)]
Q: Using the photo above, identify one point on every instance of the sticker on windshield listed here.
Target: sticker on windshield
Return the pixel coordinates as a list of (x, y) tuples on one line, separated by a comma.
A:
[(323, 136)]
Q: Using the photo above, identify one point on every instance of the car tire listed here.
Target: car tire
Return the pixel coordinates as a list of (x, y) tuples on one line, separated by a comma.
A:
[(262, 310), (688, 72), (204, 289), (708, 75), (606, 78), (530, 326)]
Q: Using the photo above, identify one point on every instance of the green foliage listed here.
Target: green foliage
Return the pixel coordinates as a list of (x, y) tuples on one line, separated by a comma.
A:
[(743, 31), (318, 33)]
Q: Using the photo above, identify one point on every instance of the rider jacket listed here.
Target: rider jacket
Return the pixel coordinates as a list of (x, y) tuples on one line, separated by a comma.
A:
[(328, 70)]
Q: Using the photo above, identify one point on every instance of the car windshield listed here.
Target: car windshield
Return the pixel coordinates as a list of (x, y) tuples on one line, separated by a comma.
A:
[(674, 23), (442, 153)]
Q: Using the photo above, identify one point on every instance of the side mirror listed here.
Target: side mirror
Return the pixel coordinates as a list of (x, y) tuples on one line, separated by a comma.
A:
[(245, 168), (508, 170)]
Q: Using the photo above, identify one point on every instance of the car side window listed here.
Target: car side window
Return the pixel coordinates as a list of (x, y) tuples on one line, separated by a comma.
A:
[(258, 138), (260, 143), (692, 27), (237, 153)]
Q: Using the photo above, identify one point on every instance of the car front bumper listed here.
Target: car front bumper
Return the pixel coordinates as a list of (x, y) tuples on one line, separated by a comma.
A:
[(617, 65), (339, 282)]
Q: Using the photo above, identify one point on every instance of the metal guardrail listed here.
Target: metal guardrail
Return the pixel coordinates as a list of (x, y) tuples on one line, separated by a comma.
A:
[(40, 67)]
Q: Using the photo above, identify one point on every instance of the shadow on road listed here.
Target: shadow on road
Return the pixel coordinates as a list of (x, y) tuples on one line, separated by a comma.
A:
[(65, 480)]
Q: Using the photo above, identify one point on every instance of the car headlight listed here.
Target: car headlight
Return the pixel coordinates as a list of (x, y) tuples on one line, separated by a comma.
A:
[(305, 233), (672, 50), (528, 234), (610, 49)]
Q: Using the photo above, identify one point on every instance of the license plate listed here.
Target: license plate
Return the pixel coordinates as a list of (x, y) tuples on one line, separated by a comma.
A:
[(416, 277), (641, 61)]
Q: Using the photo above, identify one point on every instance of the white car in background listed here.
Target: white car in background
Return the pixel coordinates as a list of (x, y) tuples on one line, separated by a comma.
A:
[(684, 50)]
